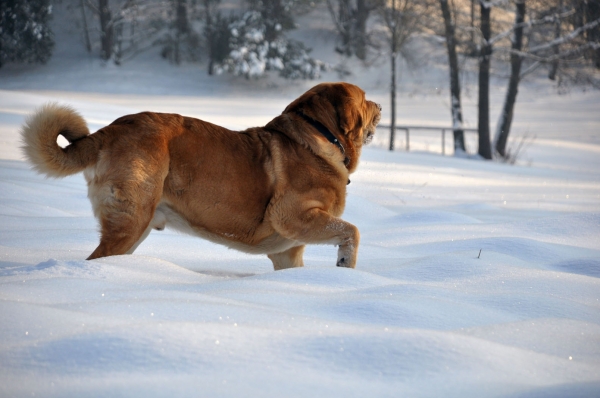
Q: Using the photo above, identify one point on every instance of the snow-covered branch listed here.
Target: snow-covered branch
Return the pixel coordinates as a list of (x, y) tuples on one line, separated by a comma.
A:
[(566, 38), (546, 20), (555, 57), (531, 68), (489, 4)]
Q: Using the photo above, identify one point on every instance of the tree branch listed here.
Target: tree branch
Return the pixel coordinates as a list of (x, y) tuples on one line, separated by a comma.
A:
[(489, 4), (566, 38), (548, 19), (92, 6), (560, 56), (533, 67), (336, 20)]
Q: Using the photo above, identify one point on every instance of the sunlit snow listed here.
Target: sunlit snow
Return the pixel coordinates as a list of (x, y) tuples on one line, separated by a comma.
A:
[(474, 278)]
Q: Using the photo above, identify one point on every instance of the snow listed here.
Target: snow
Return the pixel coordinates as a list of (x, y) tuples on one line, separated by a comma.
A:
[(474, 278)]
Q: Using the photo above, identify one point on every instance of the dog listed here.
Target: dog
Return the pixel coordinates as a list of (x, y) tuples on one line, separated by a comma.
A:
[(266, 190)]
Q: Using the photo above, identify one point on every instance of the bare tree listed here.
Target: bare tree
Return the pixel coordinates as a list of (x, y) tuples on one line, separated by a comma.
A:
[(214, 28), (88, 43), (350, 20), (401, 19), (181, 28), (485, 55), (552, 49), (588, 11), (106, 29), (557, 31), (506, 115), (455, 103), (570, 49), (118, 25)]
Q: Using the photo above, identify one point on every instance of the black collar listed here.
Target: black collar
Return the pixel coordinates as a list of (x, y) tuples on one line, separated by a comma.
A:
[(326, 133)]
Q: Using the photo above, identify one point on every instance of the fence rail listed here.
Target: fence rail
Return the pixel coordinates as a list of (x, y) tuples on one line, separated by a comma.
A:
[(407, 129)]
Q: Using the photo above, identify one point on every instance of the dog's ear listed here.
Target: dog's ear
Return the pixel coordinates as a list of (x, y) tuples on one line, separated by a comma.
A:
[(351, 109), (338, 106)]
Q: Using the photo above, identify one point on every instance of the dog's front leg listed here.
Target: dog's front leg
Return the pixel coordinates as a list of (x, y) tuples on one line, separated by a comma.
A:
[(290, 258), (316, 226), (348, 248)]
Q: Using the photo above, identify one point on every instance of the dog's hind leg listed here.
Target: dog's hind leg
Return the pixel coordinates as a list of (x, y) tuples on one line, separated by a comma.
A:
[(122, 229), (158, 222), (125, 204), (288, 259), (140, 240)]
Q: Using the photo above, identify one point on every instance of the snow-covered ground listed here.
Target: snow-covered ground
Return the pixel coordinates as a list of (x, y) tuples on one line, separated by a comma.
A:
[(474, 278)]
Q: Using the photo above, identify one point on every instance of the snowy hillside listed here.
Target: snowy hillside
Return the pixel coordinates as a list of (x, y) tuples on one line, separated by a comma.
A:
[(474, 279)]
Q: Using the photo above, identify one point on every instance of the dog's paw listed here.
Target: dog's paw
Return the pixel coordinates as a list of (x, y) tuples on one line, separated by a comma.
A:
[(346, 262)]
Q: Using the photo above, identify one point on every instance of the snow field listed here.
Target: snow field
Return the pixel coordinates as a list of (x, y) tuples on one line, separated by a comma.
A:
[(473, 279)]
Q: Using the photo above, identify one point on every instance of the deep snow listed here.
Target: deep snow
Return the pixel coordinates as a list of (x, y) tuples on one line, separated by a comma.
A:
[(474, 278)]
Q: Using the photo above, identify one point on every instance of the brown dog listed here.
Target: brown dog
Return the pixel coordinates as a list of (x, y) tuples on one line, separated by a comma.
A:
[(268, 190)]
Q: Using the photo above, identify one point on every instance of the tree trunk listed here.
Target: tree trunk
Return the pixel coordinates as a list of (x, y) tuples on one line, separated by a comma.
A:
[(457, 128), (209, 34), (554, 65), (473, 22), (181, 28), (485, 55), (393, 103), (272, 11), (593, 35), (360, 29), (106, 29), (86, 34), (393, 82), (345, 18), (507, 112)]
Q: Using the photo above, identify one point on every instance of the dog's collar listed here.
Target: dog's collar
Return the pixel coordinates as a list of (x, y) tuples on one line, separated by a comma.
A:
[(327, 134)]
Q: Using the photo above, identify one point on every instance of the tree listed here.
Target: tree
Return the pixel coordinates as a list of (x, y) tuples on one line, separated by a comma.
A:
[(506, 115), (25, 34), (216, 34), (103, 11), (132, 26), (350, 21), (276, 16), (550, 48), (547, 47), (257, 44), (588, 11), (401, 19), (180, 39), (86, 33), (557, 31), (485, 56), (252, 55), (572, 46), (181, 27), (455, 103), (106, 29)]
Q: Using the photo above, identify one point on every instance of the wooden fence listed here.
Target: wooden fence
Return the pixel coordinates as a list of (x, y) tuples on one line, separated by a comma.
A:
[(407, 130)]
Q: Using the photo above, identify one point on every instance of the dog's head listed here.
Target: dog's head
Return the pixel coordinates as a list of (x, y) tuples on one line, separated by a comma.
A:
[(343, 109)]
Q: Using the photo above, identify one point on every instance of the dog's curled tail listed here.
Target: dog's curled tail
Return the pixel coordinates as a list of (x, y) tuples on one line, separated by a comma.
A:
[(39, 134)]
